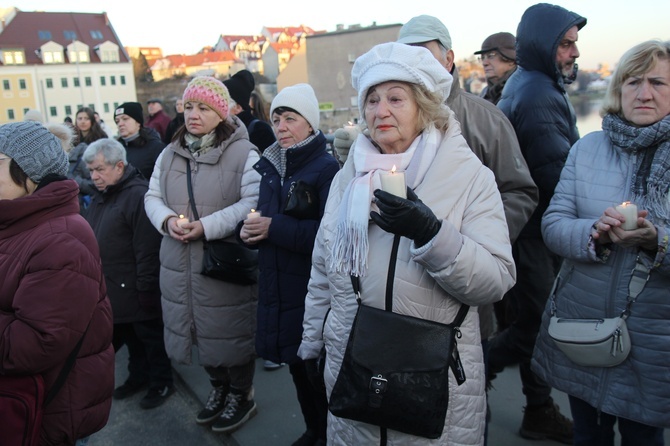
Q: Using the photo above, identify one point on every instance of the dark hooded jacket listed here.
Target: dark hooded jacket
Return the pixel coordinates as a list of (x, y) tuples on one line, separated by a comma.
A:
[(129, 246), (260, 132), (536, 103), (143, 151)]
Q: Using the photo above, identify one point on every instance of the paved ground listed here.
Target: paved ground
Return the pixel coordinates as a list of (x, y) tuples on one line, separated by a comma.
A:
[(278, 422)]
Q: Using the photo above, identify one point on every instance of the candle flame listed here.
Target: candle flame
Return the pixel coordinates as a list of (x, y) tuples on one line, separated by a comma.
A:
[(253, 210), (181, 216), (625, 203), (350, 123), (393, 169)]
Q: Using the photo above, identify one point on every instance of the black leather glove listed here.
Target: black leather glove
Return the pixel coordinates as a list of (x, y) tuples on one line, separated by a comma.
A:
[(315, 374), (406, 217)]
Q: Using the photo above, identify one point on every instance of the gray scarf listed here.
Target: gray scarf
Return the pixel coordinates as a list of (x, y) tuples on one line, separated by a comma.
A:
[(651, 147)]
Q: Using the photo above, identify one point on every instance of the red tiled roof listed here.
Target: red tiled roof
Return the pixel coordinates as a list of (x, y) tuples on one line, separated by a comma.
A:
[(23, 31), (195, 60)]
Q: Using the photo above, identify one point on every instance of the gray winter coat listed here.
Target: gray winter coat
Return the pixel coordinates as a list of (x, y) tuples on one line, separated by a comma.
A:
[(597, 175), (219, 317)]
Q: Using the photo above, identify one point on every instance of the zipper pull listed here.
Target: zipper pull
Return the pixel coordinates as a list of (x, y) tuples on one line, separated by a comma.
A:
[(616, 342), (457, 366)]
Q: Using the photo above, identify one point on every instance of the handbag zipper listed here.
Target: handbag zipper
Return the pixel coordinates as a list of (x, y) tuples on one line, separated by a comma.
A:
[(617, 344)]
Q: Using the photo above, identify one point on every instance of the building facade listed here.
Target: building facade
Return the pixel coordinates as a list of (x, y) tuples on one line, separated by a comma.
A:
[(57, 63)]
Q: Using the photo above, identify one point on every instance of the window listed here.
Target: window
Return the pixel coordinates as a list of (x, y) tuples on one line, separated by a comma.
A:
[(112, 80), (5, 84), (50, 83), (68, 110), (87, 81), (91, 106), (52, 112), (47, 57), (25, 110), (63, 82), (10, 114), (44, 35), (22, 84), (13, 57), (52, 57), (116, 105), (95, 34), (58, 56), (123, 80), (79, 56), (102, 81), (70, 35), (105, 107), (75, 81)]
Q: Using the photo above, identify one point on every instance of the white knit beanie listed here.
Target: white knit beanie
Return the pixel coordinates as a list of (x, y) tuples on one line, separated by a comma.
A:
[(301, 98), (399, 62)]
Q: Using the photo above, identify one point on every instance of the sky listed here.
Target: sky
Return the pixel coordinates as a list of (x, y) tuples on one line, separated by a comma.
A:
[(184, 28)]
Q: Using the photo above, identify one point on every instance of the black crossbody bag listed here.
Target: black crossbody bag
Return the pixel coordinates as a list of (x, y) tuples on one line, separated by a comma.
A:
[(395, 370)]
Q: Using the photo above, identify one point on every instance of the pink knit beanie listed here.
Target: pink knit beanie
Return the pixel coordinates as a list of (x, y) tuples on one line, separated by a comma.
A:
[(209, 91)]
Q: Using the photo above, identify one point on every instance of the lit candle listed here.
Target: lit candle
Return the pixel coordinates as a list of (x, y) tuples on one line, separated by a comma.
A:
[(629, 211), (394, 183), (253, 214), (181, 221)]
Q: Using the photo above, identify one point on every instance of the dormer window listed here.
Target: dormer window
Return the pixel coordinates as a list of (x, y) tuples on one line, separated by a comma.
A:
[(70, 35), (77, 52), (13, 57), (108, 52), (51, 53)]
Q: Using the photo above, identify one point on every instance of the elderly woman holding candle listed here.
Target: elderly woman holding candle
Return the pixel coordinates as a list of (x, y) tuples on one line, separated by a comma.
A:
[(609, 212), (211, 159), (297, 164), (453, 242)]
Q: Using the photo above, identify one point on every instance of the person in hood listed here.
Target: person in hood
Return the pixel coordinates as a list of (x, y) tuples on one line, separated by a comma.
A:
[(129, 247), (52, 291), (537, 105)]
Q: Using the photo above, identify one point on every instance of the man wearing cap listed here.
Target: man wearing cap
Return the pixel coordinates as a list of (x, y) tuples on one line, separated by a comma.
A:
[(498, 56), (142, 144), (536, 103), (240, 86), (157, 119)]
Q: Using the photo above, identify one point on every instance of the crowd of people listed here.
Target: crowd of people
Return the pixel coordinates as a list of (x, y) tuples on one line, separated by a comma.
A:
[(503, 212)]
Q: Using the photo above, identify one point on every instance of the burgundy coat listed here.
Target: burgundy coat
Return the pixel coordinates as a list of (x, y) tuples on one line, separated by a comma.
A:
[(52, 289)]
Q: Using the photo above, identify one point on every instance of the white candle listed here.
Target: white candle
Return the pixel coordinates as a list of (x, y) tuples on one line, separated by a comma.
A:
[(181, 221), (253, 214), (394, 183), (629, 211)]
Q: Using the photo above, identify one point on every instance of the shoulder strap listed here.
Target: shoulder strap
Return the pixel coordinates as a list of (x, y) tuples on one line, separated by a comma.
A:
[(65, 371), (191, 200)]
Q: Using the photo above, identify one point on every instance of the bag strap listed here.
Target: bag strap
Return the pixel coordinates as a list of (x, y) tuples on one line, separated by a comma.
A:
[(191, 200), (65, 371), (638, 280)]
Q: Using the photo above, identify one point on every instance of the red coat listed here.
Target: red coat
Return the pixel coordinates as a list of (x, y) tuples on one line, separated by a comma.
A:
[(52, 288), (159, 122)]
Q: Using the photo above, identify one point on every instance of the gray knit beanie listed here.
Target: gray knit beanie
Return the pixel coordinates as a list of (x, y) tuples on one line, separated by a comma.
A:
[(36, 150), (301, 98)]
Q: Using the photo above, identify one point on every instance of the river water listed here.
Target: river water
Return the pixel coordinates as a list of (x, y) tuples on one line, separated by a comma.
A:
[(588, 117)]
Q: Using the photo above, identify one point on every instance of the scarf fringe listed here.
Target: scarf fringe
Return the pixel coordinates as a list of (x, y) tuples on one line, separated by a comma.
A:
[(350, 250)]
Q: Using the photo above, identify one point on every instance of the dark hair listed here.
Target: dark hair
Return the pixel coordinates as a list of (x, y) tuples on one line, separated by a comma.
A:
[(259, 108), (18, 176), (221, 131), (95, 133)]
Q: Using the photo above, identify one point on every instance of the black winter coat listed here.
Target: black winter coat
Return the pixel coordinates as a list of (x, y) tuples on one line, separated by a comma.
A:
[(129, 246), (285, 257), (143, 151), (260, 132), (535, 101)]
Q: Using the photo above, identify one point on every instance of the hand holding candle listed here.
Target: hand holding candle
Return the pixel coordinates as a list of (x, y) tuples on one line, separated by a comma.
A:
[(181, 221), (394, 183), (253, 214), (629, 211)]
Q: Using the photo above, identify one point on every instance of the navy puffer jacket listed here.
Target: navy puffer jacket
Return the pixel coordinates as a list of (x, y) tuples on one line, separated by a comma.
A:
[(285, 257), (535, 101)]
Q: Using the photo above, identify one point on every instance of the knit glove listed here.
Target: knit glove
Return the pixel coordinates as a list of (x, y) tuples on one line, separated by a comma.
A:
[(343, 140), (406, 217)]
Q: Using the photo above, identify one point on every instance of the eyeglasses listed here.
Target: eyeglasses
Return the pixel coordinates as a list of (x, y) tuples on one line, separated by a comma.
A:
[(488, 56)]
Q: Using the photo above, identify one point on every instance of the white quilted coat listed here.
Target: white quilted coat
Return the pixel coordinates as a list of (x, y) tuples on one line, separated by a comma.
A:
[(469, 261)]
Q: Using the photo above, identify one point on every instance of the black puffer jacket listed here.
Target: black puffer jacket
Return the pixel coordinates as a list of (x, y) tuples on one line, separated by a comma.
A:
[(143, 151), (535, 101), (129, 246)]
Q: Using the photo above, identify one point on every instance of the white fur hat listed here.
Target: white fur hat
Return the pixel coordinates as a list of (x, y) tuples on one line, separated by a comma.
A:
[(301, 98), (399, 62)]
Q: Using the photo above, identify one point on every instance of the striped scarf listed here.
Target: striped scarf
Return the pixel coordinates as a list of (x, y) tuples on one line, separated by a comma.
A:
[(651, 147)]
